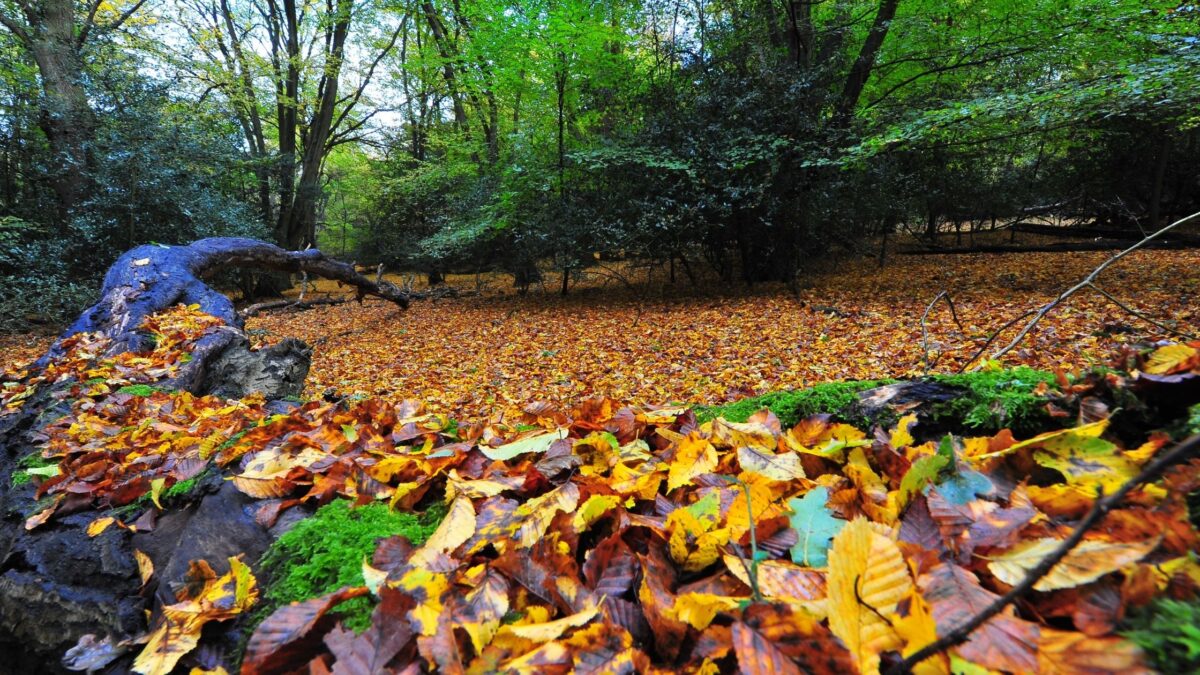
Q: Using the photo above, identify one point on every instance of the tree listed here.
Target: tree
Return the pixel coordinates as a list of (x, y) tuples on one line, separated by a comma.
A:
[(56, 33)]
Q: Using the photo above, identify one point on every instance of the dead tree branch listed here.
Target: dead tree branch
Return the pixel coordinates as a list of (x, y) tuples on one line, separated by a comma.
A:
[(1087, 281), (1184, 451), (944, 295), (1143, 317)]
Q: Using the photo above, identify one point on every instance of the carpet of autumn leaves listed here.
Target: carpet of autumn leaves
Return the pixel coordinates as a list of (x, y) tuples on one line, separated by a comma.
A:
[(473, 356), (603, 537)]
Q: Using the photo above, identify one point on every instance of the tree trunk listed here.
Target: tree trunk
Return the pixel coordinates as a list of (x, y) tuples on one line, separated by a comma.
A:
[(66, 115)]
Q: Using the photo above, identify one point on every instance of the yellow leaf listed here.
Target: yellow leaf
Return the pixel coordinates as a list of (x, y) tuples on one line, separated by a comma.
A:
[(156, 488), (99, 525), (1166, 359), (427, 588), (743, 435), (693, 456), (692, 543), (1087, 562), (539, 511), (373, 577), (867, 578), (179, 626), (699, 609), (537, 444), (145, 566), (901, 438), (544, 632), (592, 510), (455, 529), (784, 466), (915, 625)]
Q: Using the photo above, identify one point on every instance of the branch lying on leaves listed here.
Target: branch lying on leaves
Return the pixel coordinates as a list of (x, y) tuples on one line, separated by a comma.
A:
[(1087, 282), (944, 295), (271, 305), (1184, 451)]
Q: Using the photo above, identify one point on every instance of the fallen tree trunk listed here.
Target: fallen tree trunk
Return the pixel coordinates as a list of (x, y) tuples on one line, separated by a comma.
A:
[(58, 582), (151, 278)]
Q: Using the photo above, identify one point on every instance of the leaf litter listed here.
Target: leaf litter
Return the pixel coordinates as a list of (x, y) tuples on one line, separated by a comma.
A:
[(604, 536)]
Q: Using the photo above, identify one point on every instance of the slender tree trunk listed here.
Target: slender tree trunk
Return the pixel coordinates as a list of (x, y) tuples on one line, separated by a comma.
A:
[(300, 229)]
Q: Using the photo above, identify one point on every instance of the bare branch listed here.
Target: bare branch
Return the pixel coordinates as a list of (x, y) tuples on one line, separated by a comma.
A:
[(1184, 451), (1087, 281), (944, 295)]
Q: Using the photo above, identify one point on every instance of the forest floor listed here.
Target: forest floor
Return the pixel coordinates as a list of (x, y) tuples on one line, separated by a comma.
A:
[(655, 342)]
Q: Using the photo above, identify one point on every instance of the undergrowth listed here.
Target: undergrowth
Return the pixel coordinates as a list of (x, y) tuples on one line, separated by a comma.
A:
[(325, 552), (992, 400)]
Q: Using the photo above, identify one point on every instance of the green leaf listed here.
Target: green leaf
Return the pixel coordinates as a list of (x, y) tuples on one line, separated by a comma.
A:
[(816, 526), (922, 472)]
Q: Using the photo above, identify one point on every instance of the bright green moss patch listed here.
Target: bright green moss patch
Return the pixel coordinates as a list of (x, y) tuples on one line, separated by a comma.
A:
[(137, 389), (792, 406), (996, 400), (325, 552), (31, 465), (1169, 632), (991, 401)]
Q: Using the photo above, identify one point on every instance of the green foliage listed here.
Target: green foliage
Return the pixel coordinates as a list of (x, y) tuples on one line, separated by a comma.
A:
[(996, 400), (791, 407), (325, 552), (1169, 631), (137, 389)]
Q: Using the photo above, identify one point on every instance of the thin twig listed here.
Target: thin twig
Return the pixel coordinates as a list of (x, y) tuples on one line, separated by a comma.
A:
[(925, 329), (1087, 282), (1141, 316), (992, 339), (1185, 450)]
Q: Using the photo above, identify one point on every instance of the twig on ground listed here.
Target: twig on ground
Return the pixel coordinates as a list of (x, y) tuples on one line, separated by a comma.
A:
[(1087, 281), (1184, 451), (1141, 316), (271, 305), (925, 328), (992, 339)]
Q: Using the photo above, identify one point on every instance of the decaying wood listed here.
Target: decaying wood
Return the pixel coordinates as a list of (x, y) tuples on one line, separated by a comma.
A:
[(151, 278)]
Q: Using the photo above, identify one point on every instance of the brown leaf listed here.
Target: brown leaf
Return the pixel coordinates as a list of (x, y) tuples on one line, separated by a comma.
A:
[(1002, 643), (283, 642), (777, 639)]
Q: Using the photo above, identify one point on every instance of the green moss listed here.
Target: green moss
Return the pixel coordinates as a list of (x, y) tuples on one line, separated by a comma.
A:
[(996, 400), (137, 389), (325, 552), (792, 406), (1169, 632), (34, 460)]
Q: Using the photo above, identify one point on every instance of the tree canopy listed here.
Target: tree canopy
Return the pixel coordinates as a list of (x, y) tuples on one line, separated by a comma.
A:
[(752, 136)]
